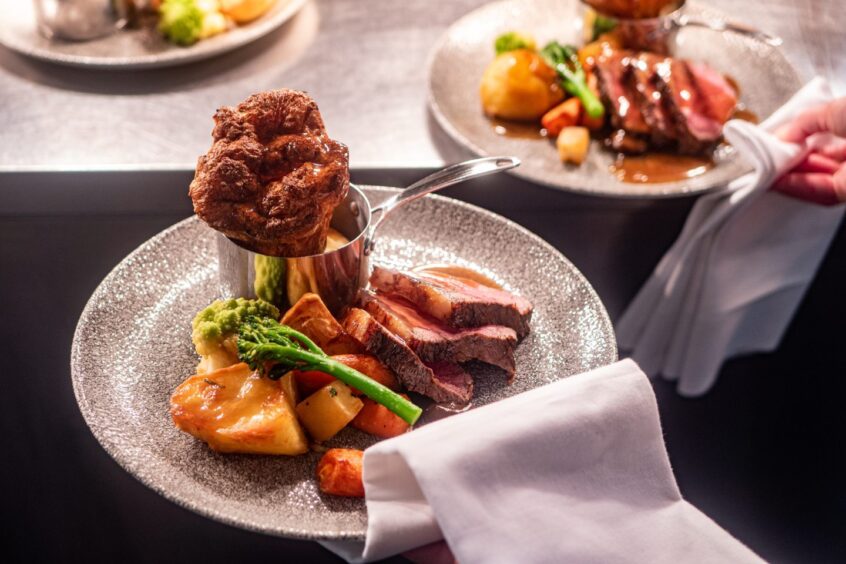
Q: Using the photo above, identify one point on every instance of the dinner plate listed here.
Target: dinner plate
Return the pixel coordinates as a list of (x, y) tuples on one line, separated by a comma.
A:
[(765, 78), (132, 347), (129, 48)]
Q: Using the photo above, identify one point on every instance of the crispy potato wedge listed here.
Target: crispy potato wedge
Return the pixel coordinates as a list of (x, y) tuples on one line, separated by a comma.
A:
[(311, 317), (236, 410), (339, 472)]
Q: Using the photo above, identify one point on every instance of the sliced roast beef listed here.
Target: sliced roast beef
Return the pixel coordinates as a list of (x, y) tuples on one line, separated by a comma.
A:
[(446, 387), (452, 381), (620, 98), (650, 99), (433, 341), (718, 95), (457, 302), (696, 129)]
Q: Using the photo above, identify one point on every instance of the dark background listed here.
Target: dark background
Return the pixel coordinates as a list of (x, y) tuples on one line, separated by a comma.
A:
[(762, 453)]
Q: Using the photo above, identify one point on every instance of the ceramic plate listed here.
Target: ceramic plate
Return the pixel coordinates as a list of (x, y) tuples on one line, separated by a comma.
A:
[(133, 347), (128, 49), (765, 78)]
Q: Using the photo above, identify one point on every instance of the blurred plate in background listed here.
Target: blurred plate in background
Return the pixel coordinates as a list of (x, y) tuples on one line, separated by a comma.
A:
[(765, 78), (129, 48)]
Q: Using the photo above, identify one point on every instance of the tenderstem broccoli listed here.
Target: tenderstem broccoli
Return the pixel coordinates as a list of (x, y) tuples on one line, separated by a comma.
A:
[(265, 341), (565, 61)]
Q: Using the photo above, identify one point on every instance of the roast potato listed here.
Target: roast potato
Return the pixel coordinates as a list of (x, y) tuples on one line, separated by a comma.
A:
[(311, 317), (237, 410), (328, 410), (519, 85)]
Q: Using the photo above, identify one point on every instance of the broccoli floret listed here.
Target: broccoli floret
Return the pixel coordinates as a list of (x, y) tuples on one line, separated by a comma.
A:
[(511, 41), (215, 329), (181, 21)]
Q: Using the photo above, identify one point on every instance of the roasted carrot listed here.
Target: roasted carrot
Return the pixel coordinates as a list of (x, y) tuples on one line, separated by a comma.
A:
[(309, 381), (371, 366), (378, 420), (339, 472), (565, 114)]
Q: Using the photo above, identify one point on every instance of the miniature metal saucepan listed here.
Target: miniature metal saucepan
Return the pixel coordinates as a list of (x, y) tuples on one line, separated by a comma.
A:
[(657, 34), (335, 275)]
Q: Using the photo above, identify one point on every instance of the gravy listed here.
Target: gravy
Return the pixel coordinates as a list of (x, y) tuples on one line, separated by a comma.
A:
[(461, 272), (659, 167), (518, 129)]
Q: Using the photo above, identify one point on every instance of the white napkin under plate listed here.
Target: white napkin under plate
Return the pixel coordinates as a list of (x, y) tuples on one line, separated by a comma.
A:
[(574, 471), (732, 281)]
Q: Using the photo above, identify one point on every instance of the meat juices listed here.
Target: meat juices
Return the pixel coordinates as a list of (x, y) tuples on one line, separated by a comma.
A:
[(273, 177)]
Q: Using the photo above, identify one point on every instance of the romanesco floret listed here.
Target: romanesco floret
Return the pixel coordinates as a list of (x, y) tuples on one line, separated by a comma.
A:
[(181, 21), (215, 329)]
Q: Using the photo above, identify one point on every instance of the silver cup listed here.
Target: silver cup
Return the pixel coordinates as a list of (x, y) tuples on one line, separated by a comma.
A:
[(80, 20), (336, 276), (658, 34)]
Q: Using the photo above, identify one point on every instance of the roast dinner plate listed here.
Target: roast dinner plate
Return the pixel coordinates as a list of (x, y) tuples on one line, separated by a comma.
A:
[(765, 78), (129, 48), (132, 347)]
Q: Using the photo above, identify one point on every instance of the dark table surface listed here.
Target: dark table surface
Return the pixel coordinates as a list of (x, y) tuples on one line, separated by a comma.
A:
[(762, 454)]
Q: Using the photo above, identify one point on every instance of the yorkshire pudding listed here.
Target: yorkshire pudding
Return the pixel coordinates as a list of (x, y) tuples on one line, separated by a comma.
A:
[(273, 177)]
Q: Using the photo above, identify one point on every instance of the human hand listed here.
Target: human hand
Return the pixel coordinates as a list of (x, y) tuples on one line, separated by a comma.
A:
[(821, 176)]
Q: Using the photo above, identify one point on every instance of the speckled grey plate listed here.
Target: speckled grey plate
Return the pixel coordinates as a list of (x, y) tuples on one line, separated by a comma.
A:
[(133, 347), (128, 49), (765, 78)]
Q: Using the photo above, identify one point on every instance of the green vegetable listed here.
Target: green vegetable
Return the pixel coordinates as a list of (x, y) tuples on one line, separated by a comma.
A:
[(565, 61), (263, 339), (222, 319), (270, 283), (512, 41), (181, 21), (602, 24)]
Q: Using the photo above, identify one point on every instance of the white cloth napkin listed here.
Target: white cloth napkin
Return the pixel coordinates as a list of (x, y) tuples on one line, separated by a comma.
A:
[(733, 279), (574, 471)]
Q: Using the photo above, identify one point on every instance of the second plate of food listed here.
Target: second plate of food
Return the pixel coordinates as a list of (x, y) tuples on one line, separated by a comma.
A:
[(757, 72)]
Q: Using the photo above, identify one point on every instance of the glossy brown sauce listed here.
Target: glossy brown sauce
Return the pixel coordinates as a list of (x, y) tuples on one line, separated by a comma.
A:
[(461, 272), (746, 115), (437, 411), (659, 167), (518, 129)]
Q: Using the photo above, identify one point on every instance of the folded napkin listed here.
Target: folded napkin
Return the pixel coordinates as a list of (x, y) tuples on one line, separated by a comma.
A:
[(574, 471), (732, 281)]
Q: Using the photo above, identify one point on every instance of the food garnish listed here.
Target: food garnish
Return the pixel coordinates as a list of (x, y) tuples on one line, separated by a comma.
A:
[(263, 340), (215, 330), (512, 40), (565, 60)]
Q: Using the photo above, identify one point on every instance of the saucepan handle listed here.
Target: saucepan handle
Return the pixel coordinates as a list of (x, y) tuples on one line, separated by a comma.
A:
[(447, 177), (718, 24)]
